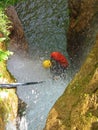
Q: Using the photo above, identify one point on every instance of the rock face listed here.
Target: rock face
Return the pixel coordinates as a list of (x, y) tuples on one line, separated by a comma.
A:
[(8, 107), (8, 97), (77, 108), (83, 27), (18, 40)]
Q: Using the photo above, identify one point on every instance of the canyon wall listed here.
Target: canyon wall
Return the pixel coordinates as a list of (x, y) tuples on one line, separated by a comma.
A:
[(77, 108), (82, 29)]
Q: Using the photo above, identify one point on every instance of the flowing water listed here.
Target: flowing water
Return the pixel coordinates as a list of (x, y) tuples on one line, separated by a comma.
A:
[(45, 23)]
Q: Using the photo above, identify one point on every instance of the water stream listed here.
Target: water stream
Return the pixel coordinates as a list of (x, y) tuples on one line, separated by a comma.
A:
[(45, 25), (39, 98)]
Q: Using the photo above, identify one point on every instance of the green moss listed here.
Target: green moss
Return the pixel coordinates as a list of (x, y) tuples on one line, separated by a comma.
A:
[(4, 107), (81, 84), (8, 98), (88, 114), (4, 53)]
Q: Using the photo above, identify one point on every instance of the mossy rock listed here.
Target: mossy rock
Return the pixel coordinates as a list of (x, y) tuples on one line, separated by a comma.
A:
[(8, 97), (77, 108)]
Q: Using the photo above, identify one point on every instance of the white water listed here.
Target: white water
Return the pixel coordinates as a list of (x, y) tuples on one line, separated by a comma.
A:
[(45, 25), (39, 98)]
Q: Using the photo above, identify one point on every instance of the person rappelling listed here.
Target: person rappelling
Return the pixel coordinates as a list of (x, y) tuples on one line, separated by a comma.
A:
[(58, 63)]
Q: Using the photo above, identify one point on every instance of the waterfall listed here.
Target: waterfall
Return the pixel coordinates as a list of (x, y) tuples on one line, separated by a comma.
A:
[(45, 26)]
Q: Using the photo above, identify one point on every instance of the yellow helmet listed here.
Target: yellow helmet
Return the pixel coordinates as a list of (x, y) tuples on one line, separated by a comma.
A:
[(47, 63)]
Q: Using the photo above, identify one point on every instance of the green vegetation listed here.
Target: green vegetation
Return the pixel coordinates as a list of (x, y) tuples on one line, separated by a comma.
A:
[(4, 107), (5, 27), (4, 55), (5, 3), (6, 96), (4, 36)]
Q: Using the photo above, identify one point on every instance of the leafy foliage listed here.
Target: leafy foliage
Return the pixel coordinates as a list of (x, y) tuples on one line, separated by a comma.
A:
[(4, 34), (4, 55), (4, 29), (5, 3), (4, 26)]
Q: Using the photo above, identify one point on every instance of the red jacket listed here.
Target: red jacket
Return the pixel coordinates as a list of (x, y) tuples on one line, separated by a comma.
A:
[(60, 58)]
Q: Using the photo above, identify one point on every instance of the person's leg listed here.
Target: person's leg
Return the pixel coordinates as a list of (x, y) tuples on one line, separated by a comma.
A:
[(57, 70)]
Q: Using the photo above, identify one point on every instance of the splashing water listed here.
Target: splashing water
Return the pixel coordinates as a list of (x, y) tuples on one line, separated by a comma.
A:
[(41, 97), (44, 26)]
